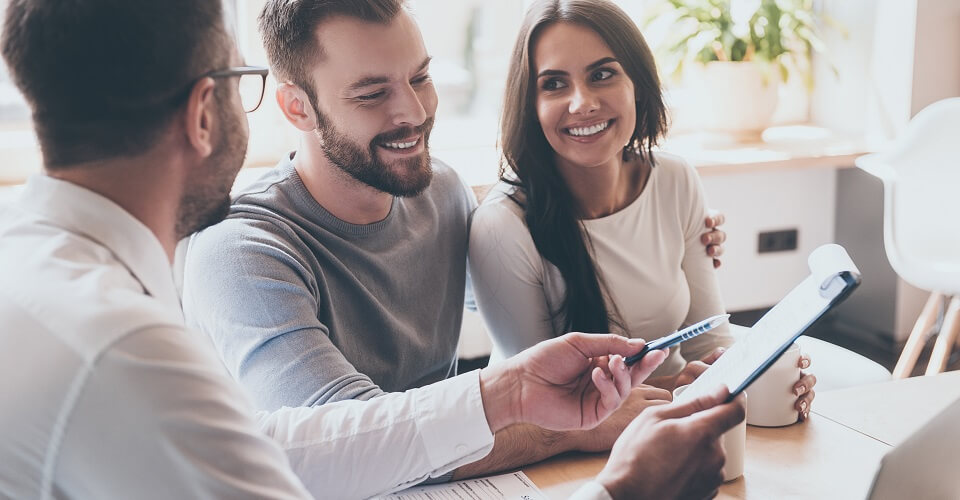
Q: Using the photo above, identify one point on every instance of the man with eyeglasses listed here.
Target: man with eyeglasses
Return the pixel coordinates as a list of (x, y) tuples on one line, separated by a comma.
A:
[(139, 113)]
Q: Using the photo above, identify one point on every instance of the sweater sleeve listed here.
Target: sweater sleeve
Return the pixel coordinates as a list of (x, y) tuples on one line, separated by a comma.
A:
[(697, 266), (247, 285), (508, 279)]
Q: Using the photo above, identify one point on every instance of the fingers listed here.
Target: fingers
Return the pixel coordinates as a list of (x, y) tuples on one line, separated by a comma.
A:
[(651, 393), (720, 418), (695, 368), (609, 397), (641, 370), (592, 345), (714, 219), (714, 239), (621, 376), (713, 356), (805, 384), (805, 393), (613, 384), (691, 372), (804, 361), (702, 403), (804, 403), (715, 249)]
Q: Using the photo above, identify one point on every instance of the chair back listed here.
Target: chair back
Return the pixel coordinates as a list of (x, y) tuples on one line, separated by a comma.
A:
[(921, 177)]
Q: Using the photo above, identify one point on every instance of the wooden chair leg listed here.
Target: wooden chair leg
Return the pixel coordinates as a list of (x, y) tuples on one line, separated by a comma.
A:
[(918, 337), (946, 339)]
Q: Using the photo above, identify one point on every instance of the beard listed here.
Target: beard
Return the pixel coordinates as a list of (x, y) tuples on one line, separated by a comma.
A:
[(404, 177), (206, 199)]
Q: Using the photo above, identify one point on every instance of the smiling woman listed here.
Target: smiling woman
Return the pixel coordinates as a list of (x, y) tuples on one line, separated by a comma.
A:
[(590, 229)]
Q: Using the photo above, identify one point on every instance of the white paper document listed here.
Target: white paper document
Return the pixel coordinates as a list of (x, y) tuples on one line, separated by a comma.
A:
[(513, 486), (777, 329)]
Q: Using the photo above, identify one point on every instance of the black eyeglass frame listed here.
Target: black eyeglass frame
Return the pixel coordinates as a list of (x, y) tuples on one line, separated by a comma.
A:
[(240, 71)]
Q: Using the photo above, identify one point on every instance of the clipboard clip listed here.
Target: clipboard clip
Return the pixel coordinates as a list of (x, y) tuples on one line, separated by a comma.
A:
[(835, 284)]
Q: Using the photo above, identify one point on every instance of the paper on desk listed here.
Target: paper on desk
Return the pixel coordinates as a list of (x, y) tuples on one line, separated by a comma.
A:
[(776, 328), (514, 486)]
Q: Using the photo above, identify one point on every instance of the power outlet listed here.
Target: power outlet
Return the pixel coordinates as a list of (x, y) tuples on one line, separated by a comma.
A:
[(777, 241)]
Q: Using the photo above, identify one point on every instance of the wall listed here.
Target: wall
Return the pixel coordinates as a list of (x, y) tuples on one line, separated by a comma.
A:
[(762, 201)]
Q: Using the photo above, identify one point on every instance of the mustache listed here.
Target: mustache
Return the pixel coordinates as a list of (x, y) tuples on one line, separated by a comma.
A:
[(404, 132)]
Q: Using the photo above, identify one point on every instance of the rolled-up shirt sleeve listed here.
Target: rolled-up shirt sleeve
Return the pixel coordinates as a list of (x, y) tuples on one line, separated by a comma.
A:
[(386, 444), (157, 416)]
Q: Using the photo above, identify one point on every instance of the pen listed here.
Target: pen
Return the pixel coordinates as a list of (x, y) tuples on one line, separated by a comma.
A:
[(679, 336)]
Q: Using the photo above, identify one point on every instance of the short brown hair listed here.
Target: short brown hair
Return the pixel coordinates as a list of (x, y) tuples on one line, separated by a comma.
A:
[(105, 77), (288, 28)]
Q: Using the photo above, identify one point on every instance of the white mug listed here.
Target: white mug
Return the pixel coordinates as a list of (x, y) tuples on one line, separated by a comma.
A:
[(772, 400), (734, 444)]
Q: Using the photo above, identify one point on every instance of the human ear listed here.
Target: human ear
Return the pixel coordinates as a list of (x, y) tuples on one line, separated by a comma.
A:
[(295, 105), (199, 116)]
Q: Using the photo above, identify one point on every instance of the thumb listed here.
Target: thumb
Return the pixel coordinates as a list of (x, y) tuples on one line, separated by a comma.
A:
[(705, 402), (720, 418), (592, 345), (640, 371)]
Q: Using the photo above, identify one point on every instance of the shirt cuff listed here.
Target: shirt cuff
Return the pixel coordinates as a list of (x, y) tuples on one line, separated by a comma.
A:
[(452, 422), (591, 490)]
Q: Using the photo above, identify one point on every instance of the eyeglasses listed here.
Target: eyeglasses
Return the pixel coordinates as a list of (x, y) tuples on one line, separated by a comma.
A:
[(253, 80)]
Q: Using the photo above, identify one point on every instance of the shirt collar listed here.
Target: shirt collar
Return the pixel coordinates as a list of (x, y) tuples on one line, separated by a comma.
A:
[(81, 211)]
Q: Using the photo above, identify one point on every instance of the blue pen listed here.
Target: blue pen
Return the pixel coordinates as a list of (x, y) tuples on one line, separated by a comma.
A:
[(679, 336)]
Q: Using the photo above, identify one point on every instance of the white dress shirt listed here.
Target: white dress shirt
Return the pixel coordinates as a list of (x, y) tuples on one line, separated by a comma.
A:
[(105, 394)]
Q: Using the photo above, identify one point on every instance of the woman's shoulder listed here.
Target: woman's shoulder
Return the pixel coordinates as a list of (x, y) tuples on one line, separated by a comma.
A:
[(502, 204), (672, 165), (675, 171), (499, 223)]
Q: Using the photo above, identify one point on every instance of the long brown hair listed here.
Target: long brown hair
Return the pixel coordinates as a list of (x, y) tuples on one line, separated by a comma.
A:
[(549, 207)]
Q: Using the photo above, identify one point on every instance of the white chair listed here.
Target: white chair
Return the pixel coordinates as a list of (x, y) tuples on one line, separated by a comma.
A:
[(921, 224)]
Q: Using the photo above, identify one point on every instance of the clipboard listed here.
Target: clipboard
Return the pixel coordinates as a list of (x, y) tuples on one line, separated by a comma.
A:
[(833, 276)]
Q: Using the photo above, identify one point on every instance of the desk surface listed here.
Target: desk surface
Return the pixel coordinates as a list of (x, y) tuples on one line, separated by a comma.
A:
[(833, 455), (891, 411)]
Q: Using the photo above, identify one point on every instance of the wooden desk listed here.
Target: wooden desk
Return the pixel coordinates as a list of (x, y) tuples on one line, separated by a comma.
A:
[(833, 455)]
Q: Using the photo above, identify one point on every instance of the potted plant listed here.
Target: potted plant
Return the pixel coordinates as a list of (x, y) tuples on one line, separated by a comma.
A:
[(731, 54)]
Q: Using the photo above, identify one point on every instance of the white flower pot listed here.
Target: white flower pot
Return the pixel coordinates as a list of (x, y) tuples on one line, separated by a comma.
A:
[(735, 98)]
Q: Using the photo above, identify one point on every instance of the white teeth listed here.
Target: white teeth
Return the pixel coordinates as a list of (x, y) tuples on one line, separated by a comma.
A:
[(401, 145), (595, 129)]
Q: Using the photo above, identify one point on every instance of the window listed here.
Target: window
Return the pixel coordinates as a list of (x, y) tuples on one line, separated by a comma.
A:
[(470, 41)]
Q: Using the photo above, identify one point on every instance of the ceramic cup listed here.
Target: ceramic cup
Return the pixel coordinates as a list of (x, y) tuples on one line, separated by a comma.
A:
[(734, 443), (771, 402)]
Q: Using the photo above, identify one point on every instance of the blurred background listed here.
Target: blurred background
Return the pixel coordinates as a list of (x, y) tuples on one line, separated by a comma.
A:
[(826, 81)]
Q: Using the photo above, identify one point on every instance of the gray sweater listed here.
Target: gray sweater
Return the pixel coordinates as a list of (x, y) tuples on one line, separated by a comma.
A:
[(305, 308)]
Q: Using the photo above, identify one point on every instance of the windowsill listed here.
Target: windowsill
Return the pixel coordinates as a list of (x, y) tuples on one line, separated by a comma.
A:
[(781, 148)]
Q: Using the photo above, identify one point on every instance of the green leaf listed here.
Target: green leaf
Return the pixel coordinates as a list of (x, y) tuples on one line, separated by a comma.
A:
[(780, 32)]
